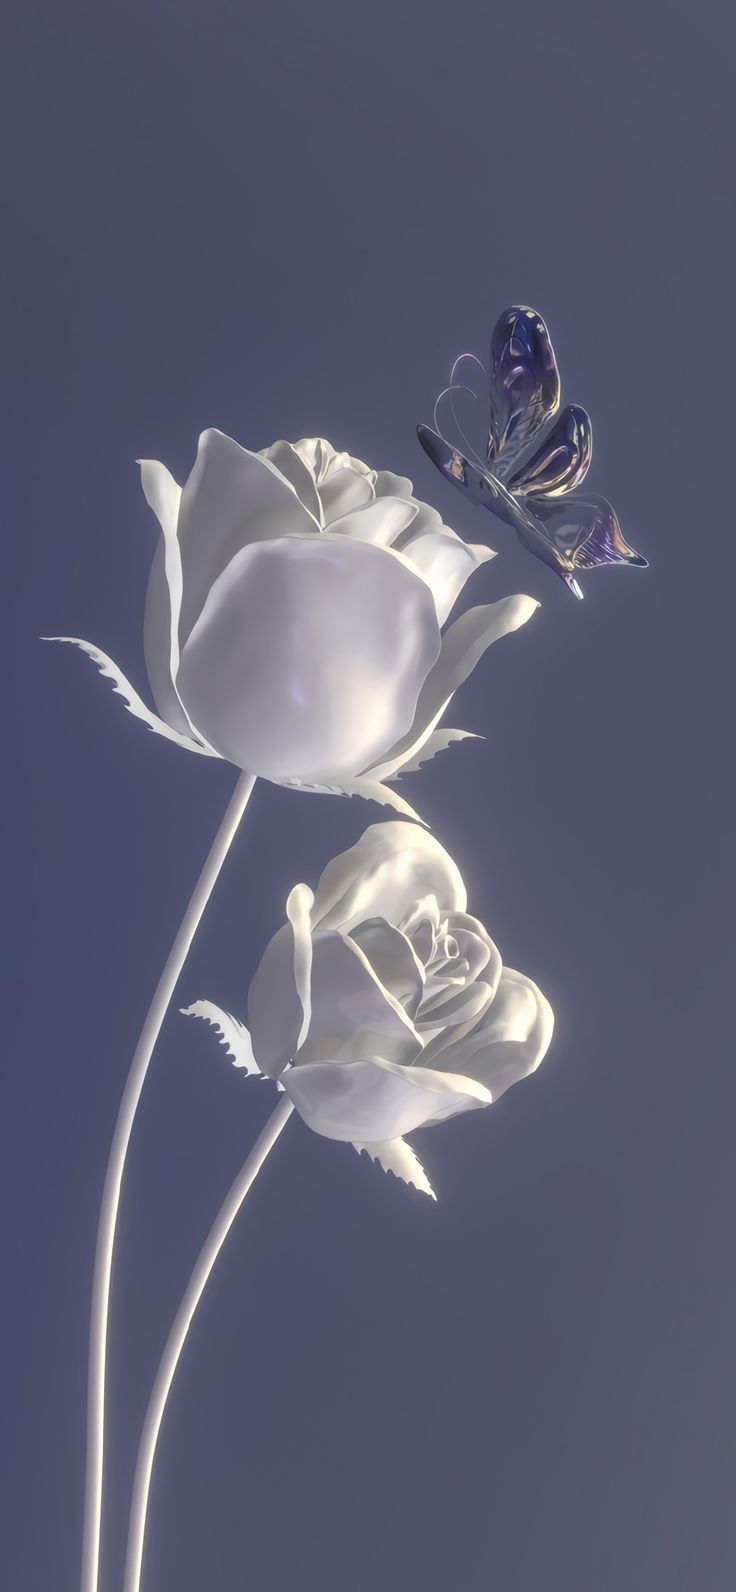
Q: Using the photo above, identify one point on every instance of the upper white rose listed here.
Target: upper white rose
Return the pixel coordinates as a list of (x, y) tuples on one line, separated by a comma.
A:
[(381, 1006), (294, 615)]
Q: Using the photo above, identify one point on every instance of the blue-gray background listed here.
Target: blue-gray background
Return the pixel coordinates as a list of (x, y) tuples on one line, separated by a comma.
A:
[(284, 219)]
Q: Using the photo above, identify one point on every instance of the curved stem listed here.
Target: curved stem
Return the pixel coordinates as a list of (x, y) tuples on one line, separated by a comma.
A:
[(178, 1334), (114, 1177)]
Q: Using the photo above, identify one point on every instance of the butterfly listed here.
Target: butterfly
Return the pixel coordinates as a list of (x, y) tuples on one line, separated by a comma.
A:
[(532, 488)]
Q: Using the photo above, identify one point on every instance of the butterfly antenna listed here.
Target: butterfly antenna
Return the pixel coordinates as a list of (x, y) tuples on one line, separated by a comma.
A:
[(436, 418), (467, 444), (463, 387), (459, 360), (447, 393)]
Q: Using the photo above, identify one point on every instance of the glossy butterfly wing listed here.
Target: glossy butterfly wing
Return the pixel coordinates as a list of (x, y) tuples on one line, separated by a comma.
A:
[(585, 531), (533, 488), (477, 485), (524, 387), (561, 461)]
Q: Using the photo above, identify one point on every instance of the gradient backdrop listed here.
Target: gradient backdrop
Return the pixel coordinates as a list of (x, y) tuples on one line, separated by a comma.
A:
[(281, 220)]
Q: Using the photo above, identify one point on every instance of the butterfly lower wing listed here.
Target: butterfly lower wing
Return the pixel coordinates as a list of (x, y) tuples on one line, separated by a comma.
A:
[(524, 385), (584, 533)]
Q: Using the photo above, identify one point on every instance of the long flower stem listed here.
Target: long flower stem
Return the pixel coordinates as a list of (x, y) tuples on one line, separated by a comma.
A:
[(114, 1177), (178, 1334)]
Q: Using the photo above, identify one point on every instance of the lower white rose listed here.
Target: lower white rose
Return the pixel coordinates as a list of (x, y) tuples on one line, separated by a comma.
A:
[(381, 1006)]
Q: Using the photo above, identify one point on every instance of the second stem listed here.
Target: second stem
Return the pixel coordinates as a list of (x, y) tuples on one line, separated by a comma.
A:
[(178, 1334), (114, 1177)]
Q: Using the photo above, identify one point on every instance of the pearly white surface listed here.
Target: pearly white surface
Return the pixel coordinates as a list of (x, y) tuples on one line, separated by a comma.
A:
[(293, 617), (309, 656), (382, 1005)]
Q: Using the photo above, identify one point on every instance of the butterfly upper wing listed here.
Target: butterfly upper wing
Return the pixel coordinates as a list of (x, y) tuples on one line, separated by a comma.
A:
[(524, 385), (561, 461), (584, 532)]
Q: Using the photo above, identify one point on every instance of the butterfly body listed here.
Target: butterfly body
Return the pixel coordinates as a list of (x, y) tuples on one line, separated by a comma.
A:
[(532, 488)]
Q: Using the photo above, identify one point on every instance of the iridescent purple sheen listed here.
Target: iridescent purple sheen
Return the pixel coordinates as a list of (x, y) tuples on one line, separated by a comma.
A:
[(524, 384), (561, 461), (566, 532)]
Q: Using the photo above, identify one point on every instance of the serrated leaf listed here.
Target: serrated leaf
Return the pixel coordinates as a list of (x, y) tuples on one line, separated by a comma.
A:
[(373, 790), (370, 789), (396, 1156), (438, 741), (133, 702), (233, 1035)]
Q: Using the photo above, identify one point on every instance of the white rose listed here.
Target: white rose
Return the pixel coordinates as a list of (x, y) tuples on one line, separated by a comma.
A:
[(381, 1006), (294, 616)]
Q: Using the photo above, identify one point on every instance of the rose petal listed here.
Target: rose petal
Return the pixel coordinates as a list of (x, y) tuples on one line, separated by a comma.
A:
[(389, 485), (463, 646), (382, 522), (289, 464), (342, 482), (372, 1099), (308, 656), (510, 1040), (163, 596), (475, 944), (427, 519), (298, 911), (393, 959), (352, 1013), (343, 491), (279, 998), (232, 499), (421, 924), (323, 460), (446, 562), (383, 875), (452, 1005)]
